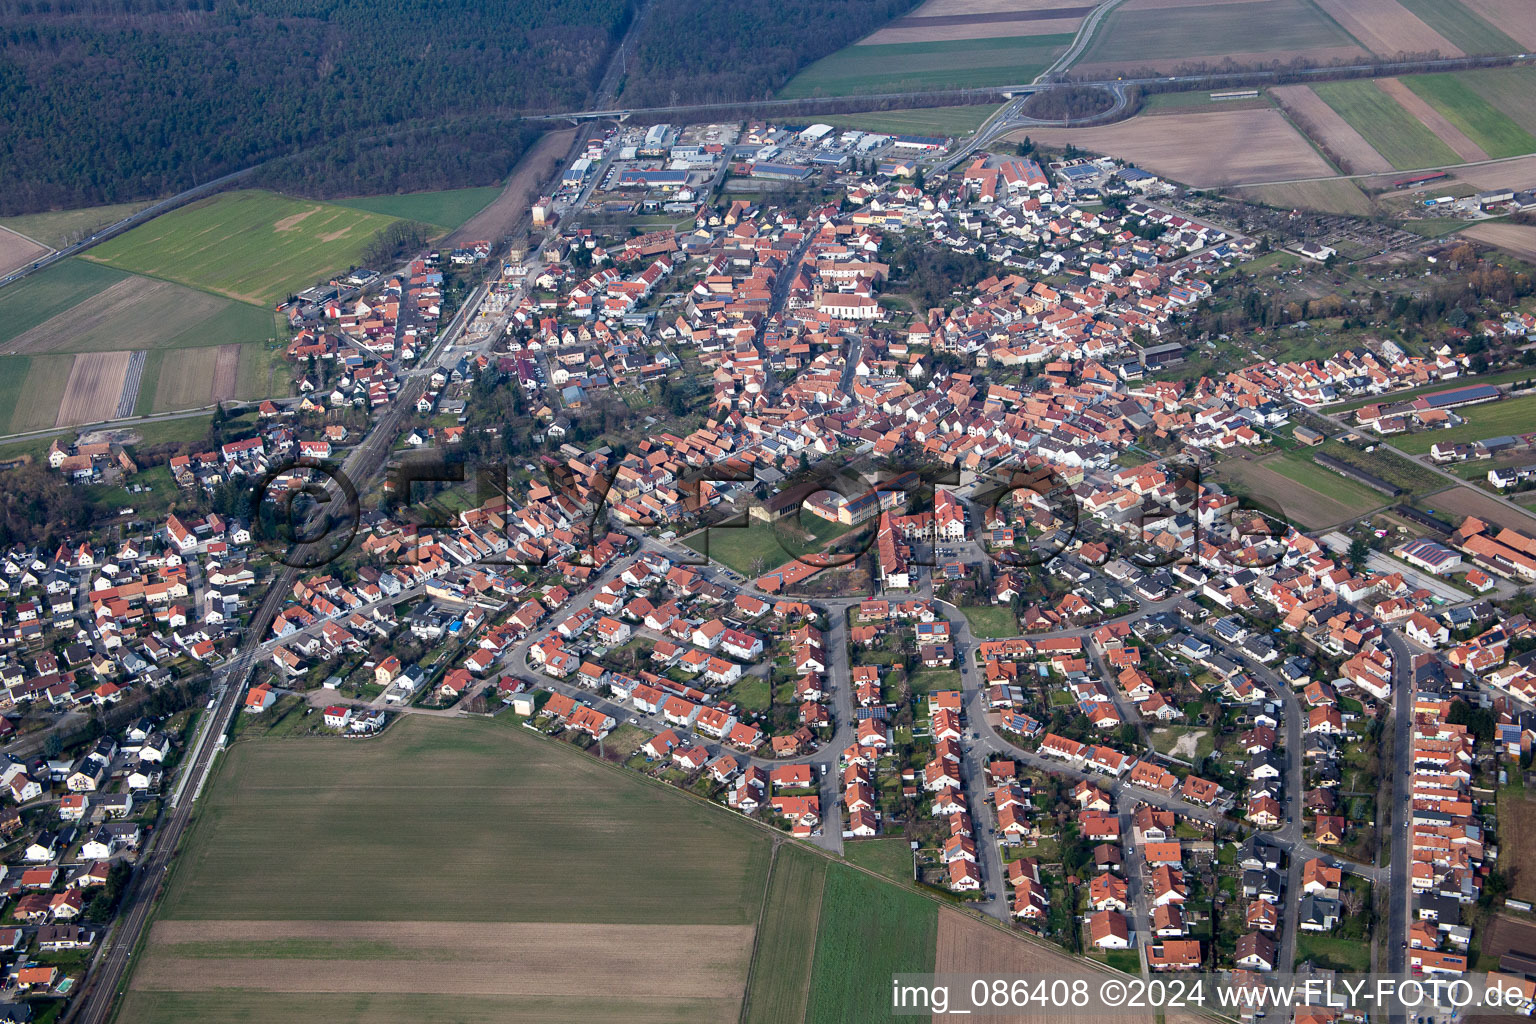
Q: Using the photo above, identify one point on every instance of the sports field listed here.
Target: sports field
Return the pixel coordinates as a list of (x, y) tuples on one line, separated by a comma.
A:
[(445, 210), (953, 63), (253, 246), (868, 931), (1509, 416), (1394, 133), (1284, 29)]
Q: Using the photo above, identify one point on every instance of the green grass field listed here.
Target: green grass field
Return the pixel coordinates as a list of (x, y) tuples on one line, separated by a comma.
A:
[(1394, 133), (35, 400), (441, 209), (889, 857), (955, 63), (1464, 107), (1462, 26), (742, 548), (1333, 951), (1508, 89), (786, 938), (304, 829), (1299, 467), (1128, 36), (951, 121), (44, 295), (1509, 416), (65, 227), (991, 621), (869, 930), (253, 246)]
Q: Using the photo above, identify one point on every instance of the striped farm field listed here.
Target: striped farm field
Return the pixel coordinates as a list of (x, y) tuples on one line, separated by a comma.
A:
[(868, 931), (252, 246), (1394, 133), (1495, 132), (43, 379), (1464, 27), (1131, 37), (954, 63), (446, 209), (1387, 28)]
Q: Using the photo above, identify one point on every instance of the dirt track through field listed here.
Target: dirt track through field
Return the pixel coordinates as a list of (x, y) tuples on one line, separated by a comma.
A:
[(1517, 18), (1202, 148), (1330, 130), (451, 958), (537, 165), (225, 371), (1432, 119), (17, 251), (94, 387), (966, 946), (1387, 28)]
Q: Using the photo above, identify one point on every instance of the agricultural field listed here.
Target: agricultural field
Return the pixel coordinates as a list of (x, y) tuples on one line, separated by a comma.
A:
[(891, 857), (16, 251), (1508, 416), (36, 299), (1298, 489), (1517, 18), (988, 19), (1455, 503), (1329, 130), (1394, 133), (868, 931), (1464, 27), (1490, 129), (957, 63), (446, 210), (964, 945), (1519, 239), (308, 876), (1426, 114), (786, 938), (251, 246), (947, 121), (1517, 841), (1387, 28), (1163, 37), (77, 308), (1200, 148), (40, 391), (59, 228), (1331, 195), (94, 388)]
